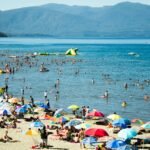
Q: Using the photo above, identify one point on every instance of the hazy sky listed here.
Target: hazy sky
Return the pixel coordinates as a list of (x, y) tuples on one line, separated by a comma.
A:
[(11, 4)]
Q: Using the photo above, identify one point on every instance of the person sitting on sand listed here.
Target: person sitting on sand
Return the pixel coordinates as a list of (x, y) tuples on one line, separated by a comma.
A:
[(6, 137)]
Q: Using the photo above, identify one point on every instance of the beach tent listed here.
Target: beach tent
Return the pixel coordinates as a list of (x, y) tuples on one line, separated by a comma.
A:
[(72, 52)]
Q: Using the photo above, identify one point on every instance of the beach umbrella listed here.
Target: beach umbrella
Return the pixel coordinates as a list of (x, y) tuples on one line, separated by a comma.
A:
[(21, 110), (146, 125), (89, 140), (83, 125), (125, 147), (37, 124), (113, 144), (5, 112), (127, 133), (13, 100), (31, 133), (26, 106), (122, 122), (114, 117), (95, 114), (137, 121), (74, 122), (63, 119), (58, 111), (96, 132), (73, 107)]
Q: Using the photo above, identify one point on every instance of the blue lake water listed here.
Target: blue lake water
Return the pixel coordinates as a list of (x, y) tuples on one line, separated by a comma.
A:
[(105, 61)]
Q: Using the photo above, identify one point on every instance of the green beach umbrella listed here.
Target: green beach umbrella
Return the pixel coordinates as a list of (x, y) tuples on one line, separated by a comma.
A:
[(73, 107)]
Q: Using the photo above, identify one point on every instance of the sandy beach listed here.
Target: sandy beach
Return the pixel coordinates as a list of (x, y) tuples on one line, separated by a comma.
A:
[(25, 142)]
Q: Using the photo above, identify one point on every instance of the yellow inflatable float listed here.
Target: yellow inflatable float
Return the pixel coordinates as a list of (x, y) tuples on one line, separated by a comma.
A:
[(71, 52), (2, 71)]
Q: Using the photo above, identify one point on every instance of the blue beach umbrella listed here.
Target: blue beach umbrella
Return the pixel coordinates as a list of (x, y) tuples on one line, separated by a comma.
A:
[(125, 147), (89, 140), (74, 122), (26, 106), (5, 112), (21, 110), (122, 122), (127, 133), (113, 144), (37, 124)]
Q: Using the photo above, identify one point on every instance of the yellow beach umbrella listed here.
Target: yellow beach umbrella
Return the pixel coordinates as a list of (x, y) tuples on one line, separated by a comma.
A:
[(114, 117), (73, 107)]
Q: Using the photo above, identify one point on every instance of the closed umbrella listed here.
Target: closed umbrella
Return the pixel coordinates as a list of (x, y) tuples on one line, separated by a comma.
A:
[(97, 132)]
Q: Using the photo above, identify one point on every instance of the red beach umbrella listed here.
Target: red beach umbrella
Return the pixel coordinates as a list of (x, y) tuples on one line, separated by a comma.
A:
[(95, 114), (97, 132)]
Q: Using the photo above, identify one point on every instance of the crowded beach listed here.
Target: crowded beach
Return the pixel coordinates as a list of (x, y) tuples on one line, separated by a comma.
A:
[(29, 124)]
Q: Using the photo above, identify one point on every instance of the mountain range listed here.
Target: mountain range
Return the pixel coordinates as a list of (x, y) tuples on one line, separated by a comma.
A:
[(123, 20)]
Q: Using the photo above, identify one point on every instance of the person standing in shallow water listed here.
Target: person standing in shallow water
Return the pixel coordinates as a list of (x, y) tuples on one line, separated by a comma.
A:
[(106, 94), (45, 95), (32, 100)]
